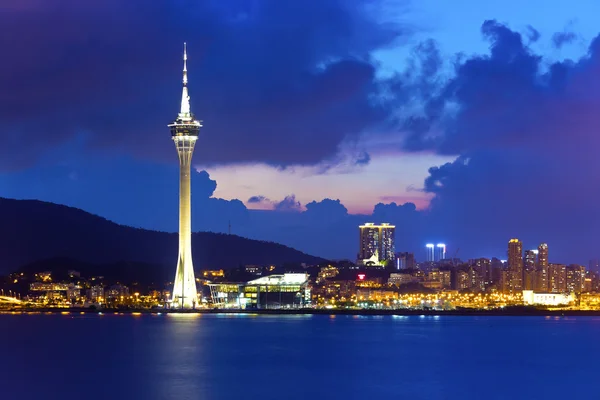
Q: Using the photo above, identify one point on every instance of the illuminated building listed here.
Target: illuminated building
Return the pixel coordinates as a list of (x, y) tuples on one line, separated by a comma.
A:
[(401, 279), (547, 299), (327, 272), (273, 291), (376, 243), (184, 132), (515, 264), (462, 280), (52, 289), (557, 278), (117, 293), (440, 253), (443, 277), (430, 252), (529, 269), (575, 279), (95, 294), (219, 273), (483, 266), (541, 279), (376, 295)]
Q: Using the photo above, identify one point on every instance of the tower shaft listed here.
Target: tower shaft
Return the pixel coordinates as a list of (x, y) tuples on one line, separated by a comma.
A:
[(184, 290)]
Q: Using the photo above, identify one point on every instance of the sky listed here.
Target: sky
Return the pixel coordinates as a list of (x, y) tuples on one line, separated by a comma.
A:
[(458, 123)]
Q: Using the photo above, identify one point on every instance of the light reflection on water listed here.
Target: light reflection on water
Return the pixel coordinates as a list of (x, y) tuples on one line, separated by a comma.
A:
[(228, 356)]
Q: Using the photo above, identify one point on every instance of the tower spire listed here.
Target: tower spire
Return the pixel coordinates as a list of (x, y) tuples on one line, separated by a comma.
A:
[(184, 113)]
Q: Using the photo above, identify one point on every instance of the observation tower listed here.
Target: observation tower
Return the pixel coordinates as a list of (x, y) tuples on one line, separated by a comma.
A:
[(184, 132)]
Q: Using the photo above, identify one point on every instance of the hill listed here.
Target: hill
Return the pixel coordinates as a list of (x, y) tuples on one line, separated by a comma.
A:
[(32, 230)]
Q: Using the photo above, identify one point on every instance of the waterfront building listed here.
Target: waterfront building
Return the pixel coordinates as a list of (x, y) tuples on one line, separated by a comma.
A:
[(515, 264), (541, 276), (575, 280), (376, 243), (184, 132), (483, 266), (95, 294), (547, 299), (529, 269), (557, 278), (117, 293), (56, 290), (273, 291)]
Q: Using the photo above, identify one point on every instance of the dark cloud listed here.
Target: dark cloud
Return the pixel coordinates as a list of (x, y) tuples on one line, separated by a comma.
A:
[(257, 199), (559, 39), (525, 135), (283, 82)]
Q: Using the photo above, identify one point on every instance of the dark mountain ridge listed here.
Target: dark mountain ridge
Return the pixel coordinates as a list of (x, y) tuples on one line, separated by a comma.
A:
[(32, 230)]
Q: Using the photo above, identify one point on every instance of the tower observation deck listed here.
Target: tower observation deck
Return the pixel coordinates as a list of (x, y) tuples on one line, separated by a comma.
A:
[(184, 132)]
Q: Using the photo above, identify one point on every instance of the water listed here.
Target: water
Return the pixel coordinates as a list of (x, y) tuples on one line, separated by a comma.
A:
[(297, 357)]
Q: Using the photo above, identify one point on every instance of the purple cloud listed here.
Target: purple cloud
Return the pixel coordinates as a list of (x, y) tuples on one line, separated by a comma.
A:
[(283, 82)]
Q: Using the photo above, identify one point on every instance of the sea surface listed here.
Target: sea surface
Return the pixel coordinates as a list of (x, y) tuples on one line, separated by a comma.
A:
[(100, 357)]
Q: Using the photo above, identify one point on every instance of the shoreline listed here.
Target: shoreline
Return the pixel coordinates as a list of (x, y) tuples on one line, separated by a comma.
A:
[(506, 312)]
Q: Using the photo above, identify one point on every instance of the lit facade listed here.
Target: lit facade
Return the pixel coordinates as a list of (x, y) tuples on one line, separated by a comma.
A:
[(541, 281), (430, 252), (273, 291), (547, 299), (557, 278), (184, 132), (440, 252), (575, 279), (529, 269), (515, 264), (377, 242)]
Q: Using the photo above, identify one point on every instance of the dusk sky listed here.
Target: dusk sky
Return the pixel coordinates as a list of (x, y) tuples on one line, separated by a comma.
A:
[(457, 121)]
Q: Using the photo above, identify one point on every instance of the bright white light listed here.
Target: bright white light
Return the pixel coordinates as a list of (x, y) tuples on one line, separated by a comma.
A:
[(429, 245), (441, 245)]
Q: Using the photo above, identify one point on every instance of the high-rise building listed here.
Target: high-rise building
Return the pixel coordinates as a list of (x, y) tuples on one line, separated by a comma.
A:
[(430, 252), (594, 265), (440, 252), (377, 240), (557, 278), (515, 264), (576, 278), (529, 269), (541, 278), (483, 266), (184, 132)]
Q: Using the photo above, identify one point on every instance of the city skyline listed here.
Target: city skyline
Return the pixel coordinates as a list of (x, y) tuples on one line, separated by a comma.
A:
[(459, 109)]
